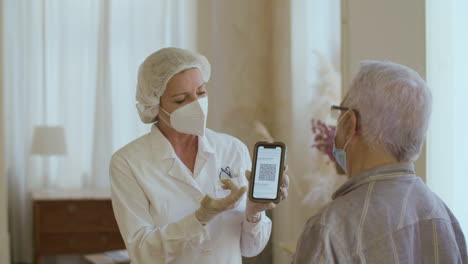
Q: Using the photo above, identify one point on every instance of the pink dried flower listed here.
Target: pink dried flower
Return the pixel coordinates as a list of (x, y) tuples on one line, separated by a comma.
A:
[(324, 136)]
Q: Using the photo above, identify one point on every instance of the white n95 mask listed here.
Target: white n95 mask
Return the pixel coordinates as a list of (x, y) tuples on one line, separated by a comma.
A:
[(190, 118)]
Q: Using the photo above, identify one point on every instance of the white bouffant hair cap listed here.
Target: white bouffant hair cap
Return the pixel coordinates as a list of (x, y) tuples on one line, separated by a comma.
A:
[(156, 71)]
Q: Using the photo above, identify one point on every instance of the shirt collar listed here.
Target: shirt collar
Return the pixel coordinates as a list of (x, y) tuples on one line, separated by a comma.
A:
[(204, 145), (162, 148), (379, 173)]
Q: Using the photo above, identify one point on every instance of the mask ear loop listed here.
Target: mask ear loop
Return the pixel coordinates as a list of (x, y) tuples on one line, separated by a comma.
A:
[(342, 117), (347, 143), (339, 121), (159, 117)]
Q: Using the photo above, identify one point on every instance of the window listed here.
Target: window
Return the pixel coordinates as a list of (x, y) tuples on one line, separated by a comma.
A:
[(447, 66)]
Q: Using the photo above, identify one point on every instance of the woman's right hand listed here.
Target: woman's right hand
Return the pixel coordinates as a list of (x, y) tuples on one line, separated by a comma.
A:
[(210, 207)]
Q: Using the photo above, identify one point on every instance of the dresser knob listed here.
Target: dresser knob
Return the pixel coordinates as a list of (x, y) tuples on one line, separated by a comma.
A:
[(72, 243), (104, 222), (71, 208), (104, 240), (71, 225)]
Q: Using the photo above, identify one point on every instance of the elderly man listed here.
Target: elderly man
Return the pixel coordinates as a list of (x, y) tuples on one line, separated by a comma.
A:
[(384, 213)]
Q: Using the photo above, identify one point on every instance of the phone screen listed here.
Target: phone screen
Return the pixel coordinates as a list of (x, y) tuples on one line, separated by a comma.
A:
[(267, 171)]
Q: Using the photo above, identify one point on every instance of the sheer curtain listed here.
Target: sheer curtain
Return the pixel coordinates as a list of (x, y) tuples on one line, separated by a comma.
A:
[(447, 63), (74, 64)]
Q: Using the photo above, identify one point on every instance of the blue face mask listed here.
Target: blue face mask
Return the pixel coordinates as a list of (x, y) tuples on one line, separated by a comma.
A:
[(340, 154), (340, 157)]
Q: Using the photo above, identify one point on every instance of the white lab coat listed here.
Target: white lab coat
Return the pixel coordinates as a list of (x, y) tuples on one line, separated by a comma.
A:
[(154, 196)]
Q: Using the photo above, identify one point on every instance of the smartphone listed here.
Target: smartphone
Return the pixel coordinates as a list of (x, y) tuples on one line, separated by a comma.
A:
[(267, 172)]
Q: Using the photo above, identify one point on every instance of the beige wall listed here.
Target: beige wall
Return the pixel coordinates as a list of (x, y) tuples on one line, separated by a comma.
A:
[(4, 237), (236, 37), (384, 30), (255, 76), (285, 215)]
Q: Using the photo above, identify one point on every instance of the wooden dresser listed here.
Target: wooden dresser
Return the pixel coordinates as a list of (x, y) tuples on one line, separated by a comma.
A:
[(74, 222)]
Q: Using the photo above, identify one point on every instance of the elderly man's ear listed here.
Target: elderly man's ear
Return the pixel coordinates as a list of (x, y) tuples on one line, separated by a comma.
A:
[(352, 124)]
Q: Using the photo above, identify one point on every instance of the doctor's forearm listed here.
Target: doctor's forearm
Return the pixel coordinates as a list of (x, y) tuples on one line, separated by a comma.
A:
[(164, 244), (255, 236)]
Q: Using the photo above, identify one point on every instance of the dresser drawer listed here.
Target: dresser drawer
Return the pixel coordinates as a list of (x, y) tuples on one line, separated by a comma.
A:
[(78, 243), (75, 216)]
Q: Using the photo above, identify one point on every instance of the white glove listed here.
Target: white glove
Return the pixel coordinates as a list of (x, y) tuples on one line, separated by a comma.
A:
[(210, 207)]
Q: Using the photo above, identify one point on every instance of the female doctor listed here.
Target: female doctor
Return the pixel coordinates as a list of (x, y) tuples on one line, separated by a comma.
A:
[(178, 192)]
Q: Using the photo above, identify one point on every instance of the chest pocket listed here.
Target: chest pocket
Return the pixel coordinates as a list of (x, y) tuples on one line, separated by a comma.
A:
[(235, 175)]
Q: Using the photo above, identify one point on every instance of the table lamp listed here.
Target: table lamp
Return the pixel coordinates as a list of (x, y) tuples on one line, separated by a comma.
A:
[(48, 141)]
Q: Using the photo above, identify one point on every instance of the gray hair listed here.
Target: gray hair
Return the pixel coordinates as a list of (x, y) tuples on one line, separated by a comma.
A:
[(394, 105)]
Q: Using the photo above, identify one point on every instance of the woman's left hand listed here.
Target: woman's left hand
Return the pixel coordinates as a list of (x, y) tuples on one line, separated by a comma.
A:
[(253, 209)]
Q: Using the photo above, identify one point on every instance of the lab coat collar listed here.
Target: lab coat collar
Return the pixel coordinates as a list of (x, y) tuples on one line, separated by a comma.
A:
[(204, 145), (163, 151), (162, 148), (384, 172)]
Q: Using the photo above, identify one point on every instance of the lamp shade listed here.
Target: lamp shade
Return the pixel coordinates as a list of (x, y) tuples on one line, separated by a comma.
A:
[(49, 140)]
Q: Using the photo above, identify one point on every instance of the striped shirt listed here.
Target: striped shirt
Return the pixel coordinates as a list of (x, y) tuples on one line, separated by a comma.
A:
[(383, 215)]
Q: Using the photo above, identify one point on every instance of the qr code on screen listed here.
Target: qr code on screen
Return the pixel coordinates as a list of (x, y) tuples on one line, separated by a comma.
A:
[(267, 172)]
